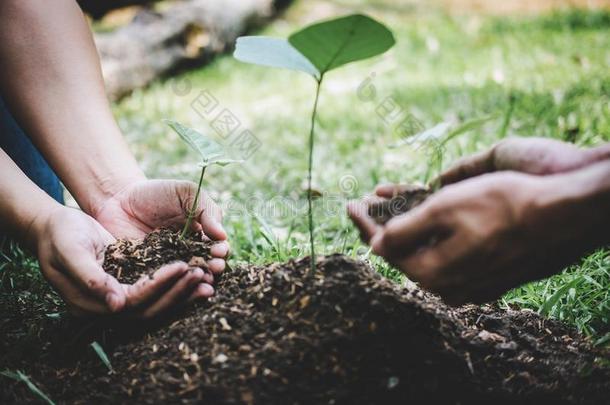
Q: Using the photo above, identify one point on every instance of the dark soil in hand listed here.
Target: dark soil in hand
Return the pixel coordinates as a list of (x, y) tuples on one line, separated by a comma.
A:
[(277, 334), (404, 200), (128, 260)]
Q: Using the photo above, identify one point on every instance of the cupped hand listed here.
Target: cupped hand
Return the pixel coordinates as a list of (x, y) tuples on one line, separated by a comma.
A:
[(70, 247), (474, 240), (146, 205), (538, 156)]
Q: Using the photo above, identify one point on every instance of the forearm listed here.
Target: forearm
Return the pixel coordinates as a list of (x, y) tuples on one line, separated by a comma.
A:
[(51, 78), (23, 206)]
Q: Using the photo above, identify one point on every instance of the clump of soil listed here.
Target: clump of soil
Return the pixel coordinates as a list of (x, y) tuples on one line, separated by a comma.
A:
[(278, 334), (128, 260), (404, 200)]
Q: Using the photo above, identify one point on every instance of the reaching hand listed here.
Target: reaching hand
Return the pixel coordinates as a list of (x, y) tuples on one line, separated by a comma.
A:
[(476, 239), (70, 247), (149, 204), (539, 156)]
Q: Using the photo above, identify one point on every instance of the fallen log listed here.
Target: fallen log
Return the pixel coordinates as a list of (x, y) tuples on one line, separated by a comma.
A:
[(189, 33)]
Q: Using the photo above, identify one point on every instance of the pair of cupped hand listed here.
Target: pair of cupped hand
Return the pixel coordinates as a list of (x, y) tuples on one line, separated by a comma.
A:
[(498, 221), (70, 246)]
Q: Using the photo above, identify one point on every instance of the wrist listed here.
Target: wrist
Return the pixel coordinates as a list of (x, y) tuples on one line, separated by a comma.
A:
[(106, 187), (29, 217)]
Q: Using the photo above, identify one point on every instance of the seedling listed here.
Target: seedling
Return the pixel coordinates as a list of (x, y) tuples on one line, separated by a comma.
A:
[(210, 152), (316, 50)]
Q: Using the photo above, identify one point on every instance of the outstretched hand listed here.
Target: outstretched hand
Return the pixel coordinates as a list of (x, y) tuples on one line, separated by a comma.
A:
[(149, 204), (476, 239), (70, 247)]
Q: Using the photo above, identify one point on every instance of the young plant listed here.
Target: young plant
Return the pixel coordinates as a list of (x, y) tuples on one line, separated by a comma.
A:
[(316, 50), (211, 153)]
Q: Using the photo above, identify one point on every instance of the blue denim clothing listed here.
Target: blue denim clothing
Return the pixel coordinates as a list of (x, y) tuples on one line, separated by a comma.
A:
[(17, 145)]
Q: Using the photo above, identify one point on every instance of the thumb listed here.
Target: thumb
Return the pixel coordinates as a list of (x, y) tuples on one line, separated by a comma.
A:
[(207, 213)]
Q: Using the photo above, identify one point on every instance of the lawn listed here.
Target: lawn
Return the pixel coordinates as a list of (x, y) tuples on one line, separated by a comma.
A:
[(544, 76)]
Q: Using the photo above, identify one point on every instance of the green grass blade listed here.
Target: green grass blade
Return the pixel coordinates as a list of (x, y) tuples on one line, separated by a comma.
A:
[(99, 350), (546, 307), (19, 376)]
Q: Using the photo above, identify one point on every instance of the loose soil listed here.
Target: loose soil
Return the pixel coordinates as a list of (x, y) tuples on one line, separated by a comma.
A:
[(278, 334), (345, 335)]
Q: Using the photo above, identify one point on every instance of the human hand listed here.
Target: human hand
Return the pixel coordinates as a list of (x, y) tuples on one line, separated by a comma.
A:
[(70, 247), (476, 239), (145, 205), (538, 156)]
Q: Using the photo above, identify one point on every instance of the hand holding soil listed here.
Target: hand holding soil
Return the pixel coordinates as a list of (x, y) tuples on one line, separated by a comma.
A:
[(477, 238), (71, 247)]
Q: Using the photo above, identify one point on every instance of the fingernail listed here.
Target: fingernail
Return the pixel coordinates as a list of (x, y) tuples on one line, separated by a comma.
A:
[(113, 301), (207, 289)]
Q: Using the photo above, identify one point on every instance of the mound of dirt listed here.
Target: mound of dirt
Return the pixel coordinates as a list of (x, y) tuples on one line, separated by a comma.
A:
[(345, 335)]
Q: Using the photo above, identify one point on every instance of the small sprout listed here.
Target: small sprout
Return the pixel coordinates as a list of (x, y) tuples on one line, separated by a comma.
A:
[(210, 152), (315, 50), (99, 350)]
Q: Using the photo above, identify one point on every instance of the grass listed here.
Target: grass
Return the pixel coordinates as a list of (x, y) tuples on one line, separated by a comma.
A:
[(544, 76)]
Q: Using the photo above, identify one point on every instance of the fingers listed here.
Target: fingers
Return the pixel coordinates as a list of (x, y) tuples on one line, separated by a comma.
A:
[(179, 293), (220, 250), (208, 214), (404, 234), (391, 190), (202, 291), (150, 288), (475, 165), (210, 219), (358, 212)]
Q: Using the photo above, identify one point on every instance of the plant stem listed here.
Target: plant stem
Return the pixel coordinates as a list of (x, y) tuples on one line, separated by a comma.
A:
[(312, 260), (191, 214)]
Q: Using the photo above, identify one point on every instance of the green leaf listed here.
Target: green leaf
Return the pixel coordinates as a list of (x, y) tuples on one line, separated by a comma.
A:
[(330, 44), (99, 350), (273, 52), (211, 152), (19, 376)]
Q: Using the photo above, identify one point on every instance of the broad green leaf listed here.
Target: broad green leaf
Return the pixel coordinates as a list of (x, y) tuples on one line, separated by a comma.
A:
[(273, 52), (211, 152), (334, 43)]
